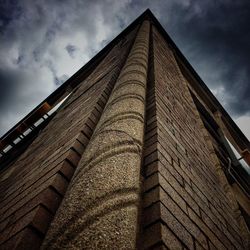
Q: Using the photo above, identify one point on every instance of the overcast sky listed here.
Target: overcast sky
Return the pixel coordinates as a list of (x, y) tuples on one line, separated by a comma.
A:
[(42, 43)]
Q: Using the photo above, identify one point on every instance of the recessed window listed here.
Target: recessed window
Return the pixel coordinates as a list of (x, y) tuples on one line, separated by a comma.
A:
[(239, 158), (234, 166)]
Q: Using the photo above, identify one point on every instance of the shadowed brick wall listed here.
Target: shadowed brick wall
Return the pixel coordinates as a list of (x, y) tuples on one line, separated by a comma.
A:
[(33, 186), (184, 205), (100, 208), (130, 159)]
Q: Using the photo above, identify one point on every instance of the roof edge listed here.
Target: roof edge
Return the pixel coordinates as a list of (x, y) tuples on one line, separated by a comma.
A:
[(207, 91), (74, 80)]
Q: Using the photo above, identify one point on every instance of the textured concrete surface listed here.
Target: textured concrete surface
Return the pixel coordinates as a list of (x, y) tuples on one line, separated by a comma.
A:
[(40, 177), (100, 209), (131, 151), (184, 198)]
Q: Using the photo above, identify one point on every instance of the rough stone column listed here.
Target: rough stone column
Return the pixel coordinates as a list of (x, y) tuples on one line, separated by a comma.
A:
[(100, 209)]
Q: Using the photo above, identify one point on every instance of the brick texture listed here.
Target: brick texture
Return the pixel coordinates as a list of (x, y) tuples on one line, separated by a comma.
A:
[(38, 180), (182, 193), (104, 193), (126, 163)]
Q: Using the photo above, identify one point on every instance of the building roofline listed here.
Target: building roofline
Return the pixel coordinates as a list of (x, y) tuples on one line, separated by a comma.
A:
[(79, 76), (237, 133), (83, 72)]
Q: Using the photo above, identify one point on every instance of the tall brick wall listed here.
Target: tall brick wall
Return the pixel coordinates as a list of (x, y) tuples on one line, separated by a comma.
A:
[(33, 187), (130, 159), (100, 208), (184, 205)]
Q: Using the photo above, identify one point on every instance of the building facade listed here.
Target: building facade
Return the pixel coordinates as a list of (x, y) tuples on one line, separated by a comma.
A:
[(132, 152)]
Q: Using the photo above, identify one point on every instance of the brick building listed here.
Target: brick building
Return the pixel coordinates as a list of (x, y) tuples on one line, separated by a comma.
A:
[(132, 152)]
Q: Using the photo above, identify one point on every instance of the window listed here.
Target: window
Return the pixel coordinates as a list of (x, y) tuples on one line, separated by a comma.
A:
[(235, 167)]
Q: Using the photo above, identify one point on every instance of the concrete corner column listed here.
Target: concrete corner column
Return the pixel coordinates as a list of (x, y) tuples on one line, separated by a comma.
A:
[(100, 208)]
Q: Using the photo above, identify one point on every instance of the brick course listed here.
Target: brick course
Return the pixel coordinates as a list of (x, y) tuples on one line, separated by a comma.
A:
[(181, 188), (33, 192), (126, 163)]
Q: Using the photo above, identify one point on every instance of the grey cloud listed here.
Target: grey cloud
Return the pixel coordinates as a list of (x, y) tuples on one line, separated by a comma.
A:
[(216, 39), (61, 79), (33, 35), (44, 42), (17, 97), (71, 49)]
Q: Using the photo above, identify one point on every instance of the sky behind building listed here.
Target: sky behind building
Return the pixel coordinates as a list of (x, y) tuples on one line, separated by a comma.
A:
[(43, 43)]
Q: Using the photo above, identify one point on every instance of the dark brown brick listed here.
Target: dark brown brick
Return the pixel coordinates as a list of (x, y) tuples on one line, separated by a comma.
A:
[(73, 157), (176, 227), (39, 218), (152, 235), (183, 204), (206, 230), (49, 198), (57, 181), (151, 158), (26, 239), (151, 182), (42, 220)]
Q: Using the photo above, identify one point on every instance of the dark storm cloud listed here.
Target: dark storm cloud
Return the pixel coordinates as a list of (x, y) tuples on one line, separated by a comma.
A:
[(43, 42), (217, 39), (60, 80), (8, 85)]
